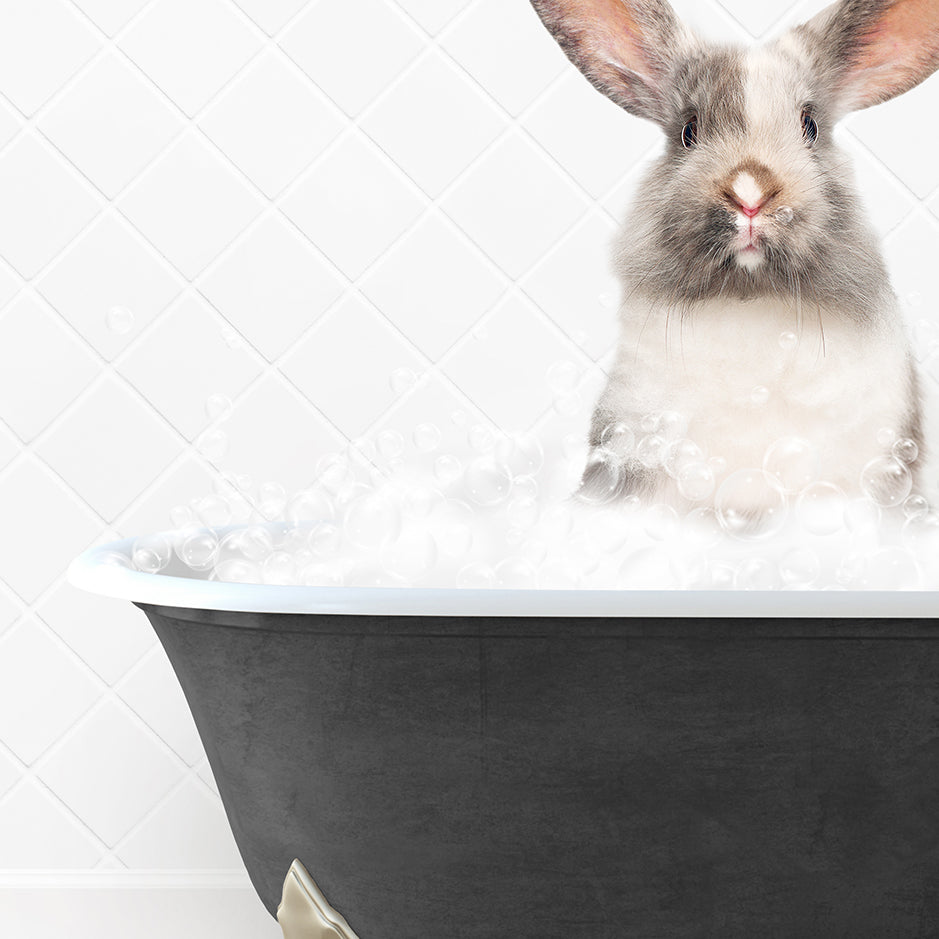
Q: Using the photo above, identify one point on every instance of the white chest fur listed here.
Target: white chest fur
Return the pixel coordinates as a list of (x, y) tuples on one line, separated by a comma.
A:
[(745, 374)]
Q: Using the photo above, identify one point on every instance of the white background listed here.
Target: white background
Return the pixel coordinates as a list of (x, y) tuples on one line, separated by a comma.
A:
[(288, 203)]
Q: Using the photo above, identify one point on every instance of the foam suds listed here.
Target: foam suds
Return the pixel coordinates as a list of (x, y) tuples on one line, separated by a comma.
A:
[(392, 514)]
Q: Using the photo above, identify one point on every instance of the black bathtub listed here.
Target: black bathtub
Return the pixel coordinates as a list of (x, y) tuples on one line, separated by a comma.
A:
[(479, 764)]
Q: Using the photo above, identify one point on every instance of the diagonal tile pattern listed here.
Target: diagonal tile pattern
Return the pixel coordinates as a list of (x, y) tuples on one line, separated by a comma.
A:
[(285, 202)]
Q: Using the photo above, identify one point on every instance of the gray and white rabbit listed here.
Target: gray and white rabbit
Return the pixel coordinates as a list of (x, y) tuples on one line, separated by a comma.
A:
[(756, 303)]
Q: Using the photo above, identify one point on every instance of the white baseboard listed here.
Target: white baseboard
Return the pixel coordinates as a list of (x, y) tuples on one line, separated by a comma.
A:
[(132, 905)]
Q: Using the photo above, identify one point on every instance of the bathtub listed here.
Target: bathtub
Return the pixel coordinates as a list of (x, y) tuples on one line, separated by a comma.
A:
[(475, 764)]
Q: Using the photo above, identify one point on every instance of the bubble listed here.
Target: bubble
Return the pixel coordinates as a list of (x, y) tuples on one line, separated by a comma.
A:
[(516, 573), (701, 528), (476, 576), (820, 508), (481, 438), (255, 543), (420, 501), (886, 436), (791, 464), (750, 505), (427, 437), (800, 567), (557, 522), (120, 320), (413, 555), (696, 482), (618, 439), (182, 516), (556, 575), (784, 215), (563, 377), (447, 469), (886, 481), (757, 574), (321, 575), (521, 453), (218, 407), (198, 549), (402, 380), (213, 444), (114, 559), (237, 571), (523, 513), (325, 540), (213, 511), (372, 520), (390, 444), (759, 396), (649, 423), (151, 553), (921, 533), (788, 341), (455, 538), (862, 517), (602, 478), (309, 506), (915, 507), (279, 568), (334, 473), (661, 522), (525, 487), (488, 481), (651, 451), (671, 426), (272, 500), (906, 451), (681, 453), (893, 568)]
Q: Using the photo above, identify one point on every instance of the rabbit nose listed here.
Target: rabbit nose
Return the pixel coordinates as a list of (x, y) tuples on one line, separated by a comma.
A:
[(750, 186)]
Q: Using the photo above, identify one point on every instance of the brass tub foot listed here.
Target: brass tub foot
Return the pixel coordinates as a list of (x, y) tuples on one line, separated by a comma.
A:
[(304, 913)]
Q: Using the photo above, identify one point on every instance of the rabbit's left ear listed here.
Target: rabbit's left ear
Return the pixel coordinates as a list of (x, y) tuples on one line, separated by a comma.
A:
[(875, 49), (627, 48)]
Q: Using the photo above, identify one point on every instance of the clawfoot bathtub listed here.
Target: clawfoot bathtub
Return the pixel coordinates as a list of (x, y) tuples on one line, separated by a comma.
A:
[(564, 764)]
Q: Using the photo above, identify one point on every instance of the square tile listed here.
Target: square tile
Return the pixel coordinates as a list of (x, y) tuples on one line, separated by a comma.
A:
[(190, 48), (433, 15), (272, 286), (38, 355), (576, 287), (274, 434), (10, 610), (933, 204), (189, 832), (911, 250), (320, 42), (271, 15), (32, 504), (43, 691), (190, 205), (111, 123), (45, 204), (10, 284), (110, 772), (900, 135), (433, 153), (185, 360), (153, 691), (505, 47), (10, 447), (110, 15), (514, 205), (433, 285), (9, 775), (32, 820), (111, 448), (42, 44), (354, 206), (10, 123), (596, 141), (349, 379), (271, 123), (109, 284), (108, 635), (522, 393), (178, 486)]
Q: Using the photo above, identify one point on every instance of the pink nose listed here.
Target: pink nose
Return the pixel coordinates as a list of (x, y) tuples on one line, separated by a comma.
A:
[(750, 210)]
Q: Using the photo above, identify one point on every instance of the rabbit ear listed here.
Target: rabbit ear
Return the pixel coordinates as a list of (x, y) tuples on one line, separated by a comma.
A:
[(625, 47), (876, 49)]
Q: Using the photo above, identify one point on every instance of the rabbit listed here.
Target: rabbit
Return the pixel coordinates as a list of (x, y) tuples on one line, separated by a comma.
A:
[(757, 308)]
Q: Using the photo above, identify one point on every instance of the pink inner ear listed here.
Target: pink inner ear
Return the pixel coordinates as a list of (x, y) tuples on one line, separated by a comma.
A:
[(901, 52)]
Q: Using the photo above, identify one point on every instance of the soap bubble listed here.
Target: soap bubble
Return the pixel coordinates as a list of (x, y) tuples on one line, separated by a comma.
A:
[(218, 407), (749, 504), (521, 453), (788, 341), (413, 555), (821, 507), (651, 451), (893, 568), (886, 481), (321, 575), (334, 473), (476, 576), (618, 439), (272, 500), (603, 478), (791, 464), (661, 522), (523, 512), (120, 320), (481, 438), (488, 481), (800, 567), (213, 444), (279, 567), (886, 436), (915, 507), (325, 540), (237, 571), (701, 528), (757, 574), (372, 520), (182, 516), (402, 380), (309, 506), (427, 437), (151, 553), (390, 444), (516, 573), (198, 549), (448, 469), (862, 517), (784, 215), (696, 482), (681, 453), (906, 451)]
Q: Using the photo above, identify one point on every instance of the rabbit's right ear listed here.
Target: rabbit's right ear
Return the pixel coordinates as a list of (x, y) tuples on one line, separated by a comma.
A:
[(625, 47)]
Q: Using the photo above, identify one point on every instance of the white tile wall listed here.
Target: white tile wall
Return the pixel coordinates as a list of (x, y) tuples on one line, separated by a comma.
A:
[(283, 202)]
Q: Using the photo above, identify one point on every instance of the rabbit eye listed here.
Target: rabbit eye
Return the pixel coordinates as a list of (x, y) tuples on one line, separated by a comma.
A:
[(809, 127), (689, 133)]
